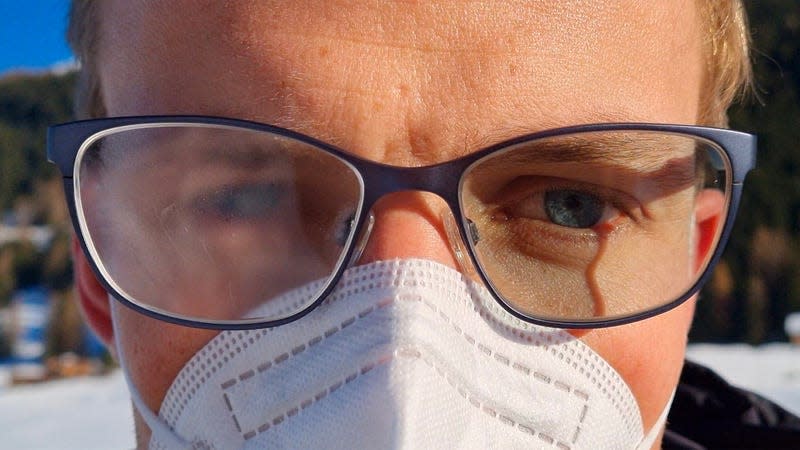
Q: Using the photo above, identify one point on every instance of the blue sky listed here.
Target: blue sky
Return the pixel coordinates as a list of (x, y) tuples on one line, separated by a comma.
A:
[(32, 34)]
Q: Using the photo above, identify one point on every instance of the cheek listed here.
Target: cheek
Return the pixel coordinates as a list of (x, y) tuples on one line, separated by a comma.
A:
[(154, 351), (648, 354)]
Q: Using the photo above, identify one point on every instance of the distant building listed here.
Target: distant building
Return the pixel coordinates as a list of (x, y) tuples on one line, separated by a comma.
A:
[(39, 235), (792, 327), (31, 313)]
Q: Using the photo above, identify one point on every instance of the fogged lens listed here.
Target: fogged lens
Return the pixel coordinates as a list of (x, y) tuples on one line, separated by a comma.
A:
[(215, 223), (596, 225)]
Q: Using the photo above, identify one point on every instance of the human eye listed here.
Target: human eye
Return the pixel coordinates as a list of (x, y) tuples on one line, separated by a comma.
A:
[(562, 208), (238, 203), (561, 221), (565, 207)]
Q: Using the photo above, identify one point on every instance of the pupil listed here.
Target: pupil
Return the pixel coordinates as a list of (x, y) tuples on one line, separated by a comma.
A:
[(573, 209)]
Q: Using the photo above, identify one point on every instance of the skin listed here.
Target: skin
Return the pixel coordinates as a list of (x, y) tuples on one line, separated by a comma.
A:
[(405, 83)]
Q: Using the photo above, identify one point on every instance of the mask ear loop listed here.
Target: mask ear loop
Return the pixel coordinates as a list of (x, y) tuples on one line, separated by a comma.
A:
[(650, 438), (157, 425)]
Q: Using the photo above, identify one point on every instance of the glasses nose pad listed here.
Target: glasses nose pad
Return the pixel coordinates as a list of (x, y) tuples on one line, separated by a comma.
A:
[(362, 240), (457, 244)]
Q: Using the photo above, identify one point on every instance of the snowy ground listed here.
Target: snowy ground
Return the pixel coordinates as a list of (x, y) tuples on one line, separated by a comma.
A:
[(94, 413), (80, 413)]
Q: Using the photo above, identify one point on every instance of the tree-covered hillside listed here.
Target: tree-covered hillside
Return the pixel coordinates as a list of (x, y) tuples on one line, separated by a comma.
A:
[(28, 105)]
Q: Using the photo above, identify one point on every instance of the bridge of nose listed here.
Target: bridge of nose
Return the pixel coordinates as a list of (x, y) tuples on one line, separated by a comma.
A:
[(408, 224)]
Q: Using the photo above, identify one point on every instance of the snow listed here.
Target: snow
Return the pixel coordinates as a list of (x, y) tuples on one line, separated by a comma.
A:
[(79, 413), (95, 412)]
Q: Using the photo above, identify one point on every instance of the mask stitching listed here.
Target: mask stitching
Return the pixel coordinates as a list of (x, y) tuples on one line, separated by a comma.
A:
[(204, 359), (471, 398), (441, 315), (395, 270), (280, 418), (588, 369), (551, 347), (486, 350), (201, 369), (491, 412), (352, 283), (491, 312), (303, 347)]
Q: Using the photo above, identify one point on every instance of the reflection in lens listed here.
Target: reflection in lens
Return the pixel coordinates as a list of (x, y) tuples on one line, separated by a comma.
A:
[(210, 222), (596, 225)]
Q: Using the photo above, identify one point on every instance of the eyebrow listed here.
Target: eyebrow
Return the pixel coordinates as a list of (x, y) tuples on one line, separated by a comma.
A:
[(664, 164), (196, 146), (637, 152), (246, 156)]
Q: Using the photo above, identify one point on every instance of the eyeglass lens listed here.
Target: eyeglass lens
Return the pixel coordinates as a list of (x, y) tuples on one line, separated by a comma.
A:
[(210, 223), (595, 225)]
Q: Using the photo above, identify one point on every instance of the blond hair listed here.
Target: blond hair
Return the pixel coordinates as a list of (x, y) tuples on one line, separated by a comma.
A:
[(728, 68)]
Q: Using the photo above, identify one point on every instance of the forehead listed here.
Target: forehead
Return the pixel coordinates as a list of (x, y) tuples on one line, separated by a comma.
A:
[(401, 77)]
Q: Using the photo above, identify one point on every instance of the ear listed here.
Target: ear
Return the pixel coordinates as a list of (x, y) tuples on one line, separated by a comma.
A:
[(92, 297), (709, 212)]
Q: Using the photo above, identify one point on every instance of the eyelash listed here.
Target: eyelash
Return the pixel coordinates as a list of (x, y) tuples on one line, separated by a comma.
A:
[(209, 203), (532, 185)]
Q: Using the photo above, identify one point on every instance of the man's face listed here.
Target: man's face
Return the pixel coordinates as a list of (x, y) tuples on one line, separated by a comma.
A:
[(409, 83)]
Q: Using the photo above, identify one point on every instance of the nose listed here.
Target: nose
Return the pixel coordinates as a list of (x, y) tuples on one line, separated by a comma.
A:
[(409, 225)]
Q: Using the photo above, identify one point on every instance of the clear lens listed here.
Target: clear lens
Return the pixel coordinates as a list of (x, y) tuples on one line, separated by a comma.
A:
[(215, 223), (596, 225)]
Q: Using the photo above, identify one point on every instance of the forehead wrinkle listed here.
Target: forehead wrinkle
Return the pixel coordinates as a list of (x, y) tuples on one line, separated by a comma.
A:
[(415, 47), (289, 93), (463, 138), (435, 26)]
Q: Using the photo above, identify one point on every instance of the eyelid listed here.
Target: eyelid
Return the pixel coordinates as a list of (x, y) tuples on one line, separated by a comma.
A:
[(270, 194), (631, 212), (523, 186)]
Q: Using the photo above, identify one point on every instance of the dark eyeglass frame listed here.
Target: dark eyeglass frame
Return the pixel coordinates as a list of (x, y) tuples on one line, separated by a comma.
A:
[(443, 179)]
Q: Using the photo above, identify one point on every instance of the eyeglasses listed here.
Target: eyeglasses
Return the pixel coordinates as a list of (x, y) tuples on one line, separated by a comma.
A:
[(228, 224)]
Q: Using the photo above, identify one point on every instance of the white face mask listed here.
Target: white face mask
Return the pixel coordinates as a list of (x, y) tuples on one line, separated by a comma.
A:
[(404, 354)]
